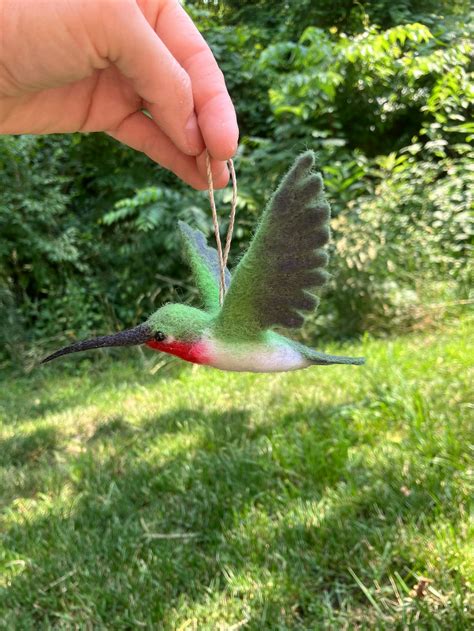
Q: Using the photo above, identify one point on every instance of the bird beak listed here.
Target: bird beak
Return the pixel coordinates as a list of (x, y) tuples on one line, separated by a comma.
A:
[(138, 335)]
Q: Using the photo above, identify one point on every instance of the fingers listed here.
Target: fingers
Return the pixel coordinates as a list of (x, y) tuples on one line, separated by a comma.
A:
[(175, 74), (157, 77), (141, 133), (214, 108)]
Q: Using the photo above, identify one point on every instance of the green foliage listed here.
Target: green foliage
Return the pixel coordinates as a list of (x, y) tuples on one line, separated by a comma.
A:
[(38, 232), (375, 91), (348, 16), (397, 245), (382, 93), (302, 501), (389, 112)]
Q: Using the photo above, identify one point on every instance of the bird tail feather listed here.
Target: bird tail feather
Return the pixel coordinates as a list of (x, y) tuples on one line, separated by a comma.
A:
[(323, 359)]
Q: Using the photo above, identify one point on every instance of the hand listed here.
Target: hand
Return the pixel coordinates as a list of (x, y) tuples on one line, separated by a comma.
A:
[(94, 65)]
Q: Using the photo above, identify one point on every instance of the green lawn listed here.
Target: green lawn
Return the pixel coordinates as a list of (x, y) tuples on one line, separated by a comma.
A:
[(194, 499)]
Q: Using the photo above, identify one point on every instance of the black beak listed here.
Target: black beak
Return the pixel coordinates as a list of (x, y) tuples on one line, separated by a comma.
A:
[(138, 335)]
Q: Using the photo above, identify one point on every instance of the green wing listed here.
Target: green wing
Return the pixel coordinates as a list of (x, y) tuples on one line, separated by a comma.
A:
[(204, 263), (285, 259)]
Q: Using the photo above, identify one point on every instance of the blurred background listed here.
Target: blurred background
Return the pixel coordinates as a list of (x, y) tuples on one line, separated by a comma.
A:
[(380, 90)]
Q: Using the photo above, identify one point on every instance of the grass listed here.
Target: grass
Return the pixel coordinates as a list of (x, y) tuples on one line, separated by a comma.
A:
[(332, 498)]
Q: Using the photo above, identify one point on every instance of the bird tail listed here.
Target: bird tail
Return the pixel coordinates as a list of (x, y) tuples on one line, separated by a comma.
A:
[(323, 359)]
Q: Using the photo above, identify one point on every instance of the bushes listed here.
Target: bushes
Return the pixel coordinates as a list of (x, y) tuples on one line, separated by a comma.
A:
[(54, 191), (388, 111), (404, 245)]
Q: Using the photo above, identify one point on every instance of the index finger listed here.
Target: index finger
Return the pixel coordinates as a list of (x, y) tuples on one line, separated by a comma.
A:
[(214, 108)]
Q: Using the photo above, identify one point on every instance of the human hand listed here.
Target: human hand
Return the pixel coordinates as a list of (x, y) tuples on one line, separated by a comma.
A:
[(94, 65)]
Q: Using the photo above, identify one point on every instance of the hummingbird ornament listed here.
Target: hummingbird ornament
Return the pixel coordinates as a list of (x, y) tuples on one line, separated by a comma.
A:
[(270, 287)]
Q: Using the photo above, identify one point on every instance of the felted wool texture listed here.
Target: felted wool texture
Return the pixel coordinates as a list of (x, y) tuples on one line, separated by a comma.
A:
[(204, 263), (284, 262), (315, 357), (323, 359), (182, 322)]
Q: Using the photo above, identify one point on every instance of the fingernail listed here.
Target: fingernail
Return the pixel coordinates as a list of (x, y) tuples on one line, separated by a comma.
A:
[(193, 135), (221, 176)]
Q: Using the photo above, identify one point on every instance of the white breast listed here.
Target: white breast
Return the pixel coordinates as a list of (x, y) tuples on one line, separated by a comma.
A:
[(255, 358)]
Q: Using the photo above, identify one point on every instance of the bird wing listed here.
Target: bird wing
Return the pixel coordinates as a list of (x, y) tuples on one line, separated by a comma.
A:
[(204, 263), (285, 259)]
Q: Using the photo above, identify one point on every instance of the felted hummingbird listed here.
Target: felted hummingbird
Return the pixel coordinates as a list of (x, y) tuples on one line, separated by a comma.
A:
[(269, 288)]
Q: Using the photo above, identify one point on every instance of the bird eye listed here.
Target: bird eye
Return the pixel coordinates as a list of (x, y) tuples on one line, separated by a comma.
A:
[(160, 336)]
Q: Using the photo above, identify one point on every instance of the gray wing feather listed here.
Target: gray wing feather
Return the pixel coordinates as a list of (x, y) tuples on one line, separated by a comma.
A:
[(271, 285)]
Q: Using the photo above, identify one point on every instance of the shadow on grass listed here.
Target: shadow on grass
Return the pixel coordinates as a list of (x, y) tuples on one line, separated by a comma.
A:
[(143, 531), (112, 428), (32, 448), (29, 398)]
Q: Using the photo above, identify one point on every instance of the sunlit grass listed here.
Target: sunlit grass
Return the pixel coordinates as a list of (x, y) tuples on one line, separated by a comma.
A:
[(195, 499)]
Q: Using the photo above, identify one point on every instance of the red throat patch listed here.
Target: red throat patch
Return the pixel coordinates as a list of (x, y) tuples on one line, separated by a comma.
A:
[(195, 353)]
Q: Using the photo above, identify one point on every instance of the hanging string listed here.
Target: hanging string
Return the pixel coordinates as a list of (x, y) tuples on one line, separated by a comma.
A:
[(222, 255)]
